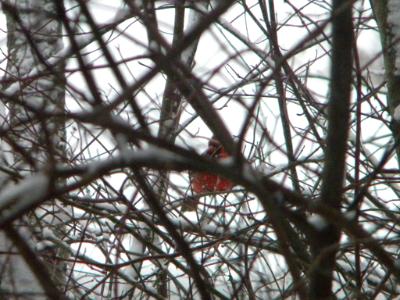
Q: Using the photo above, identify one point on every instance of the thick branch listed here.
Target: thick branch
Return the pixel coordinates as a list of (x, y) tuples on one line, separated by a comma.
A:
[(334, 170)]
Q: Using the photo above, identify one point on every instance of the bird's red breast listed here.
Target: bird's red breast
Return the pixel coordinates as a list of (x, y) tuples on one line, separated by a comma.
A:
[(208, 182)]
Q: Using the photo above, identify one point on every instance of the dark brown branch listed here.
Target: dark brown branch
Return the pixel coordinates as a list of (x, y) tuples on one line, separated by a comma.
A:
[(321, 277)]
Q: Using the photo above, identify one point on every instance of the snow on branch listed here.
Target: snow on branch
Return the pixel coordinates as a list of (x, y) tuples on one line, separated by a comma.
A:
[(19, 197)]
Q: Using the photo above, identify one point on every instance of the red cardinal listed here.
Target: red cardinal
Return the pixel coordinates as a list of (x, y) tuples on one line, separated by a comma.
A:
[(207, 182)]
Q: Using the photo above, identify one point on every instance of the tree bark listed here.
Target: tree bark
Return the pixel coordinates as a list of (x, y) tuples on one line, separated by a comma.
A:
[(386, 17), (324, 241), (34, 83)]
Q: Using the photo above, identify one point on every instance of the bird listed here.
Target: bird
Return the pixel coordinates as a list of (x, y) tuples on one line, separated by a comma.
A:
[(206, 182)]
